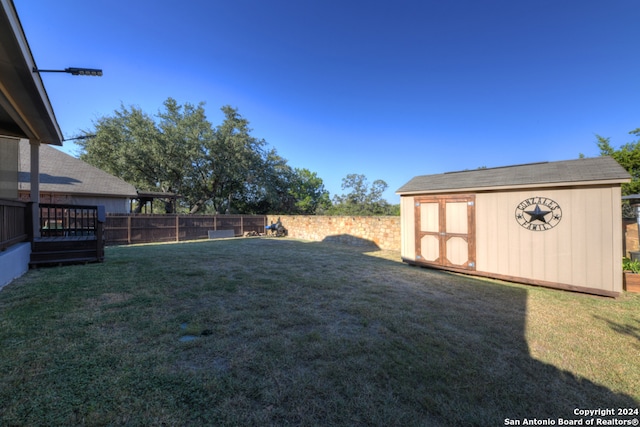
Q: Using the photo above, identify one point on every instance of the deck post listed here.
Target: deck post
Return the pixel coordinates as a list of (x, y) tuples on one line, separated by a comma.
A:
[(35, 188), (101, 219)]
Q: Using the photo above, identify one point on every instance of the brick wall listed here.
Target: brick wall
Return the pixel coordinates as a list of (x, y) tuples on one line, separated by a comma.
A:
[(383, 231)]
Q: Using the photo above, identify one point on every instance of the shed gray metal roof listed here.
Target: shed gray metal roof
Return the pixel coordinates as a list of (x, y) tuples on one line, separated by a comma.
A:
[(569, 172), (62, 173)]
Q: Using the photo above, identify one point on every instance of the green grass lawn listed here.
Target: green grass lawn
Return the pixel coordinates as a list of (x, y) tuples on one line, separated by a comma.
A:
[(285, 332)]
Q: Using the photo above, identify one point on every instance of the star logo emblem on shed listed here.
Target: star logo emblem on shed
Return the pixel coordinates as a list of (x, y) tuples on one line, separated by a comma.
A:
[(538, 214)]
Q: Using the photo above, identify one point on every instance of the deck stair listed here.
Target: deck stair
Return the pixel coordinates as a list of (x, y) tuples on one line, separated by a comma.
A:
[(69, 234), (65, 250)]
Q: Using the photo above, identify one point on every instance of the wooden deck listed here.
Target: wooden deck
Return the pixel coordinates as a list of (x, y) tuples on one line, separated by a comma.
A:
[(66, 250), (64, 238), (69, 234)]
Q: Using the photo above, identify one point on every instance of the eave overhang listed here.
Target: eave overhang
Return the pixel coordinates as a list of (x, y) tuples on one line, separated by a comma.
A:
[(25, 109)]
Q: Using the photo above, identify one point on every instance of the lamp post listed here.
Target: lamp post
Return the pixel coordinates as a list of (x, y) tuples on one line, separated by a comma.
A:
[(79, 137), (74, 71)]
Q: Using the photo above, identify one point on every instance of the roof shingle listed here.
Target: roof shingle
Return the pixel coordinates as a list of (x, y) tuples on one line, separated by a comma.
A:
[(570, 172), (62, 173)]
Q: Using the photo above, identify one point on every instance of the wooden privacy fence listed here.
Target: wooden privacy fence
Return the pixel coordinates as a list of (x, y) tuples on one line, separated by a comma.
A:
[(123, 229)]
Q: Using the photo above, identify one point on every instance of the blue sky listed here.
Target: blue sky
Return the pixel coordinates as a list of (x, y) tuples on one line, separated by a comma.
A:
[(388, 89)]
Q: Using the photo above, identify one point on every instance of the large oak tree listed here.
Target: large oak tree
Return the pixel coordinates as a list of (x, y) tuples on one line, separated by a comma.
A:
[(221, 169)]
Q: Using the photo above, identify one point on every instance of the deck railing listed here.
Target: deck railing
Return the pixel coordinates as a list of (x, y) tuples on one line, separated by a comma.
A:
[(13, 223), (69, 233), (70, 220)]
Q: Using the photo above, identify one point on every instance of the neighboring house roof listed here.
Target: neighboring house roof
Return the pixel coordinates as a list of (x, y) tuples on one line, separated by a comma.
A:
[(62, 173), (569, 172)]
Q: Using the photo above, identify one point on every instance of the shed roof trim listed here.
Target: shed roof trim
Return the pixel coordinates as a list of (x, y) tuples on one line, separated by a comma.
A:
[(568, 172)]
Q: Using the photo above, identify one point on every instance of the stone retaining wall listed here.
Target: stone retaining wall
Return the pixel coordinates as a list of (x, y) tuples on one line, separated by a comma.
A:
[(383, 231)]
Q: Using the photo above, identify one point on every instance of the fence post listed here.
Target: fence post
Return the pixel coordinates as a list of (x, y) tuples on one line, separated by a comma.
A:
[(177, 228), (129, 229), (242, 225)]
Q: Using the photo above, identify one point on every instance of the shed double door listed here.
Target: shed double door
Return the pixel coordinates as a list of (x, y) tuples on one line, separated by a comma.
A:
[(445, 231)]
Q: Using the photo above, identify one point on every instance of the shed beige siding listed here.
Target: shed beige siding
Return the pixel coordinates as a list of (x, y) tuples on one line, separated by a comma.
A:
[(407, 228), (583, 251), (580, 251)]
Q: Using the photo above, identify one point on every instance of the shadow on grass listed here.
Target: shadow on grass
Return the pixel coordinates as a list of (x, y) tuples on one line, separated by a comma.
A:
[(458, 353), (297, 334), (628, 330), (350, 240)]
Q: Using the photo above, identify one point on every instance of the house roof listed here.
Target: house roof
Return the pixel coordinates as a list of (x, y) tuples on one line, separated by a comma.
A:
[(596, 170), (25, 109), (62, 173)]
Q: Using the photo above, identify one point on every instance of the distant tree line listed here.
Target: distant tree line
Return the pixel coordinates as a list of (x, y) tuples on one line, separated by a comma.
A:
[(362, 199), (221, 169), (628, 155)]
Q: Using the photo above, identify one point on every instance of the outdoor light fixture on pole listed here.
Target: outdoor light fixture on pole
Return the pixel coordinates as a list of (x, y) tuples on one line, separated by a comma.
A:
[(79, 137), (75, 71)]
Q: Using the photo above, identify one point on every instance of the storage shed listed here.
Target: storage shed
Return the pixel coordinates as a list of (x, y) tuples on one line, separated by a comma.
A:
[(554, 224)]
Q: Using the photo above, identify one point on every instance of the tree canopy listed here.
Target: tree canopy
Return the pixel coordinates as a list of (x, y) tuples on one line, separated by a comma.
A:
[(628, 155), (362, 198), (223, 169), (219, 169)]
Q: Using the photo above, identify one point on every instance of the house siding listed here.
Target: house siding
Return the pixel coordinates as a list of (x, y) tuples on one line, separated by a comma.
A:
[(116, 205)]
